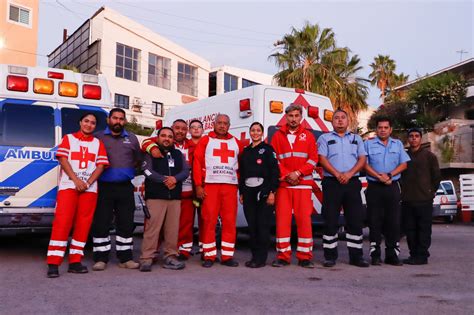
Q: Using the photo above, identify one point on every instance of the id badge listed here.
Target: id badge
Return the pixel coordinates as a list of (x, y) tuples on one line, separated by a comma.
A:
[(171, 162)]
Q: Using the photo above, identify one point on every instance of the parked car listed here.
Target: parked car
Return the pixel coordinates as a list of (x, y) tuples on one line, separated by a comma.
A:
[(445, 203)]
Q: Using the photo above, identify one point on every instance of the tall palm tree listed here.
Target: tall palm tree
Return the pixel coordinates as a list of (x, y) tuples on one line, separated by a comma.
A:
[(383, 69), (309, 59)]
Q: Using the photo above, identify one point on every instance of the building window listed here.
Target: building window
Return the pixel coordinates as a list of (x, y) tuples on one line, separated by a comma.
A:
[(19, 15), (187, 79), (230, 82), (122, 101), (159, 71), (157, 109), (247, 83), (127, 62), (212, 83)]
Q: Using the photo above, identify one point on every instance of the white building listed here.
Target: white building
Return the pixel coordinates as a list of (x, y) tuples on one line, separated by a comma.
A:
[(146, 72), (225, 79)]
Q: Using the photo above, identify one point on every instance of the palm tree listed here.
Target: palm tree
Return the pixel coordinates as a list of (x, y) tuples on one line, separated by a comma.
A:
[(397, 80), (383, 69), (309, 59)]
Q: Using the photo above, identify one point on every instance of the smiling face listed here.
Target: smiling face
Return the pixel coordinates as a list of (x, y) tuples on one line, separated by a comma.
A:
[(256, 133), (87, 124), (166, 139), (180, 130), (196, 130), (221, 125)]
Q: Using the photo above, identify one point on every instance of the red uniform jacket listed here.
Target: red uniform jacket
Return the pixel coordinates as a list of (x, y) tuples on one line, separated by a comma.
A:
[(303, 157)]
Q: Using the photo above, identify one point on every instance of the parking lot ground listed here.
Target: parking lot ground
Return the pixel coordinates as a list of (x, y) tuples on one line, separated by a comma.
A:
[(444, 286)]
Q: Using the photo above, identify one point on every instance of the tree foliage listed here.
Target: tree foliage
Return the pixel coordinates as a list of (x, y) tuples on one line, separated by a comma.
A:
[(309, 58)]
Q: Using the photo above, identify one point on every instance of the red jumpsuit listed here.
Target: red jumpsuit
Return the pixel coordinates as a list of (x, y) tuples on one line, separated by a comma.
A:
[(300, 155), (75, 209), (215, 167), (186, 219)]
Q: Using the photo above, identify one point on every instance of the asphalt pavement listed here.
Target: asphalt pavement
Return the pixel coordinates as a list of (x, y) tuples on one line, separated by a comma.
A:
[(444, 286)]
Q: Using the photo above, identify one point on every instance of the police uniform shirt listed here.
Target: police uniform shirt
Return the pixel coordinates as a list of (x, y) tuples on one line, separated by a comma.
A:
[(385, 158), (342, 152)]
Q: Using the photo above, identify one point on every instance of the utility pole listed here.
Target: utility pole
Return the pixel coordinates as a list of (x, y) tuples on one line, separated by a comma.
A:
[(461, 52)]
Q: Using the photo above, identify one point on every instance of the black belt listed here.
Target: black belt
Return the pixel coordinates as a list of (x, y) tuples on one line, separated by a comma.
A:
[(371, 182)]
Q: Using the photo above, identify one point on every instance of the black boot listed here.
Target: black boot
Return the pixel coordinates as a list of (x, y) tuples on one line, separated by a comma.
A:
[(77, 268), (53, 271)]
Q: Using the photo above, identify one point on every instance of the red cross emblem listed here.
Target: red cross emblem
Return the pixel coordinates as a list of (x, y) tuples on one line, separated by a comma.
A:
[(245, 142), (83, 157), (223, 152)]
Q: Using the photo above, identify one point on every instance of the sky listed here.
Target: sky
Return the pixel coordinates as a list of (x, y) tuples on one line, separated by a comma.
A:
[(421, 36)]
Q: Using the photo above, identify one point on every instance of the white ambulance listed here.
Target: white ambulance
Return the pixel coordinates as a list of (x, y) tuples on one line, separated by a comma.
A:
[(38, 106), (264, 104)]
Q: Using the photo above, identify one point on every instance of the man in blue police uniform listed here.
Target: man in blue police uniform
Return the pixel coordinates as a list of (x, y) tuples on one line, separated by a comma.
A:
[(386, 159), (342, 155), (116, 194)]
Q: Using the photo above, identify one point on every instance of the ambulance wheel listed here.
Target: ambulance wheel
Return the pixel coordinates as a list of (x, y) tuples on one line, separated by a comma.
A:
[(449, 219)]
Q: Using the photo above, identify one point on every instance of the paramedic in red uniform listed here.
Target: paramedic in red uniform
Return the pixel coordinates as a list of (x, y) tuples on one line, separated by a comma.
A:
[(215, 168), (297, 156), (186, 220), (82, 158)]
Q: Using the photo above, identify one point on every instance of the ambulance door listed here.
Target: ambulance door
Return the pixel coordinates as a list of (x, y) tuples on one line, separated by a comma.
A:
[(28, 172)]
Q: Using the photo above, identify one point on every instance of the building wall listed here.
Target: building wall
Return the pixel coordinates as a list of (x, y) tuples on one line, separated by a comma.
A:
[(241, 74), (19, 41)]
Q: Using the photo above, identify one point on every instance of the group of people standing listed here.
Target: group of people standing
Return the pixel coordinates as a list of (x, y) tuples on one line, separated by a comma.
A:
[(210, 174)]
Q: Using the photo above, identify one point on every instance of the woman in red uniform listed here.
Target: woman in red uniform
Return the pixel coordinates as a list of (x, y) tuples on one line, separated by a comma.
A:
[(82, 158)]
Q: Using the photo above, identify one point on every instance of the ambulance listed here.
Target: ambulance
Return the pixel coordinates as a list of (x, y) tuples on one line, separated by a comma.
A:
[(38, 106), (264, 104)]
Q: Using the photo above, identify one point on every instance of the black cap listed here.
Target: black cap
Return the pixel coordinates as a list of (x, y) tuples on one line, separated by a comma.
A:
[(415, 129)]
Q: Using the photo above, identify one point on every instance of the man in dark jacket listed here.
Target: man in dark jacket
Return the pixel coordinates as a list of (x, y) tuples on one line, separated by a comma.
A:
[(163, 184), (419, 184)]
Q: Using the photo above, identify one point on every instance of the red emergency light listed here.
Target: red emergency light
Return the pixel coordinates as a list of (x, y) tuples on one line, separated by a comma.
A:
[(55, 75), (17, 83), (90, 91), (245, 110), (158, 124), (301, 91), (313, 112)]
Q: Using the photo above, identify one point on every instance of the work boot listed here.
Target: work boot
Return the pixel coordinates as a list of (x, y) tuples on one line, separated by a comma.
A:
[(230, 263), (280, 263), (130, 264), (145, 267), (53, 271), (328, 263), (77, 268), (361, 262), (99, 266), (394, 261), (173, 263), (306, 263), (207, 263), (376, 261), (182, 257)]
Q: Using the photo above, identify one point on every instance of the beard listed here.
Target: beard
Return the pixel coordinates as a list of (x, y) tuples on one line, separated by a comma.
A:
[(164, 147), (117, 128)]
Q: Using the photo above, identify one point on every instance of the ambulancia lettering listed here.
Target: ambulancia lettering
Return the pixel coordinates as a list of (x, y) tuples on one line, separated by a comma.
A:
[(30, 155)]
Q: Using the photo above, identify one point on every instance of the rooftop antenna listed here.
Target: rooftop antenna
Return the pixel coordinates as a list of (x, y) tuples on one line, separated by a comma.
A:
[(461, 52)]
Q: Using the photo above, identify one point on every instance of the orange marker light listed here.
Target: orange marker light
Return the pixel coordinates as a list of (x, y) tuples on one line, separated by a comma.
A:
[(328, 114), (68, 89), (276, 107), (43, 86)]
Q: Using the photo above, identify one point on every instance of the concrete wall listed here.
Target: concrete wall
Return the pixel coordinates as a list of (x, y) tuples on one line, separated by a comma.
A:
[(258, 77)]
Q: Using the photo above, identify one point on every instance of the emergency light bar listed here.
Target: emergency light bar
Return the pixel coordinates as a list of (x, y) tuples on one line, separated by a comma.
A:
[(328, 114), (55, 75), (91, 91), (43, 86), (17, 70), (68, 89), (276, 107), (17, 83), (245, 110), (90, 78), (313, 112)]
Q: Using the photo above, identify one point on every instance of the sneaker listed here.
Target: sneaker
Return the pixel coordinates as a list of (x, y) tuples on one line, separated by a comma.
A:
[(99, 266), (306, 263), (130, 264), (328, 263), (173, 263), (280, 263), (145, 267), (207, 263), (53, 271), (77, 268), (230, 263)]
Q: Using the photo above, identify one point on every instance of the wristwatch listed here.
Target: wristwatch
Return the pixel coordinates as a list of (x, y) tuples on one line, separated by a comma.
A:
[(389, 175)]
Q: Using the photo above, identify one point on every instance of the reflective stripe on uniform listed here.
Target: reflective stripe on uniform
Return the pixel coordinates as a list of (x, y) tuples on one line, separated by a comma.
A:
[(101, 239), (123, 247), (300, 154), (284, 156), (208, 245), (58, 243), (227, 252), (329, 237), (282, 239), (231, 245), (304, 240), (211, 253), (59, 253), (330, 245), (286, 249), (304, 249), (124, 240), (311, 162), (76, 251), (101, 248), (354, 237), (77, 243), (354, 245)]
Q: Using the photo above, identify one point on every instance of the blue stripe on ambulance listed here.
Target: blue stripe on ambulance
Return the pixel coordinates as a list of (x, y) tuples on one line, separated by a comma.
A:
[(47, 200)]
